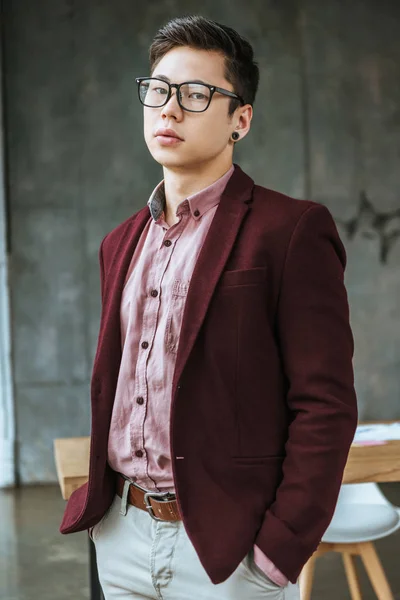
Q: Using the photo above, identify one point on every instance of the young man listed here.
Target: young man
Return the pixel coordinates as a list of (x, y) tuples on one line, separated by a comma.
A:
[(223, 405)]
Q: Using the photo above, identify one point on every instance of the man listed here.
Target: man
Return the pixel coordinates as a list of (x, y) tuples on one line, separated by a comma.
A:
[(223, 404)]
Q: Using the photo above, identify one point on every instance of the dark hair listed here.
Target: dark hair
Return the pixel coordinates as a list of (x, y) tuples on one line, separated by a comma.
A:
[(204, 34)]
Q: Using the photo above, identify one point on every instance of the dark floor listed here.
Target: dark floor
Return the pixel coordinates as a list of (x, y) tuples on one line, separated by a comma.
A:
[(38, 563)]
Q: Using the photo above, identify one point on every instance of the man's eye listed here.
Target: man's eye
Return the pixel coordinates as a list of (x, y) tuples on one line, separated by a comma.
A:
[(197, 96), (160, 90)]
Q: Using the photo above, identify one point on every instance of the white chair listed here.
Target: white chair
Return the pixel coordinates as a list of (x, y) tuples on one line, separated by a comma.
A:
[(362, 514)]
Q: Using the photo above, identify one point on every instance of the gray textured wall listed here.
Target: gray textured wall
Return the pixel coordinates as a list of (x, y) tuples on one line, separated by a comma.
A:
[(326, 127)]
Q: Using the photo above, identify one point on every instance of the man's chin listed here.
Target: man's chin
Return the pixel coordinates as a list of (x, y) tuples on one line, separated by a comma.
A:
[(171, 159)]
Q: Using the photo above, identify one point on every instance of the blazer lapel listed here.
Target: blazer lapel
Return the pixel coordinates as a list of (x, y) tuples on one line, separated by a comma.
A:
[(232, 209), (122, 258), (115, 274)]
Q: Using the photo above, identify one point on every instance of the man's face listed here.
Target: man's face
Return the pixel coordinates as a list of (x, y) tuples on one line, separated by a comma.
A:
[(205, 135)]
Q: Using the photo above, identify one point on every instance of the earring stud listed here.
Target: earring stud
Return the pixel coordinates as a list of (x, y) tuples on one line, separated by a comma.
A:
[(235, 136)]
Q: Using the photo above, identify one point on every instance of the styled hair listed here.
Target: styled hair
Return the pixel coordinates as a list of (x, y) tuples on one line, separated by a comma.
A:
[(201, 33)]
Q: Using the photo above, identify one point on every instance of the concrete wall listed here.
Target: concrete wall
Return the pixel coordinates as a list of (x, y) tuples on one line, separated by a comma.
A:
[(326, 127)]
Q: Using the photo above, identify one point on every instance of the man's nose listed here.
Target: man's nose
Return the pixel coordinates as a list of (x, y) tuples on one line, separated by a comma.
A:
[(172, 107)]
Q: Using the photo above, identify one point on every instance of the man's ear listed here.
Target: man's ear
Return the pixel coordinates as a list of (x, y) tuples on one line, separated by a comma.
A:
[(243, 120)]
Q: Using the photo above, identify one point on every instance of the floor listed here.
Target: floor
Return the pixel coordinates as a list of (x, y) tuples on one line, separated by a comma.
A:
[(38, 563)]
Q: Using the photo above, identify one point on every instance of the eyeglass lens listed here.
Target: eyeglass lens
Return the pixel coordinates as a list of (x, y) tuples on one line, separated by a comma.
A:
[(193, 96)]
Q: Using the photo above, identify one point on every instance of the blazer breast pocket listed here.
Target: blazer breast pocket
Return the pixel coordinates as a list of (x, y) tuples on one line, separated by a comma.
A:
[(243, 277)]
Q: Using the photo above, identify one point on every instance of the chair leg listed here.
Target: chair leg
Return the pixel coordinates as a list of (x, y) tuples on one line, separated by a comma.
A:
[(375, 571), (306, 578), (351, 575)]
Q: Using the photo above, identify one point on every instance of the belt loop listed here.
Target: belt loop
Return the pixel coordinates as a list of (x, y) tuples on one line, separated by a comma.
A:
[(124, 499)]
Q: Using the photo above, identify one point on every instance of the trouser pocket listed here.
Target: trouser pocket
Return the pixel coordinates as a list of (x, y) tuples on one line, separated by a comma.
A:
[(94, 531), (258, 573)]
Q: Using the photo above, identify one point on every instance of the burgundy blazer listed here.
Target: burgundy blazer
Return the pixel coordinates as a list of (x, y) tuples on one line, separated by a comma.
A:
[(263, 403)]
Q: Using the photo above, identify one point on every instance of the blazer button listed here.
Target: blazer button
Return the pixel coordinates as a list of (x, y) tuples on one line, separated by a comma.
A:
[(154, 293), (145, 345), (139, 453), (140, 400), (196, 213), (167, 243)]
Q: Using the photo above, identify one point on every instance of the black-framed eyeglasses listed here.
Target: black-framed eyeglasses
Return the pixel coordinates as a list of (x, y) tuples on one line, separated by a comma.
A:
[(192, 96)]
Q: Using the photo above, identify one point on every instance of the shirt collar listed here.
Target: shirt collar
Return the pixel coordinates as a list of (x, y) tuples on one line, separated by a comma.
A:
[(199, 203)]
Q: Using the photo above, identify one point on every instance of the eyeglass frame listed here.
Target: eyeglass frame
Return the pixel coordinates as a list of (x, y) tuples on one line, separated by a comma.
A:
[(177, 86)]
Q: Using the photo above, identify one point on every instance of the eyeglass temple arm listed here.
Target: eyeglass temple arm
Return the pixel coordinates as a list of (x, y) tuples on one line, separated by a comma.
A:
[(228, 93)]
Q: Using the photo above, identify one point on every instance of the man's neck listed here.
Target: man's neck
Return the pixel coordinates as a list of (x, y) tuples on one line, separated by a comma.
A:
[(179, 184)]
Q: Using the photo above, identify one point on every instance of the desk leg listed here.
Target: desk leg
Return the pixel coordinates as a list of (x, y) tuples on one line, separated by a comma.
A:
[(95, 588)]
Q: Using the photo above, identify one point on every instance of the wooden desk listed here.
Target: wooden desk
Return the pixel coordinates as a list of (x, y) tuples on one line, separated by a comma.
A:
[(365, 463), (72, 463), (373, 463)]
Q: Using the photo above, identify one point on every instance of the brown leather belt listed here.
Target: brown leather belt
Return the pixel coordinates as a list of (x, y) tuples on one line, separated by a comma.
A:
[(161, 506)]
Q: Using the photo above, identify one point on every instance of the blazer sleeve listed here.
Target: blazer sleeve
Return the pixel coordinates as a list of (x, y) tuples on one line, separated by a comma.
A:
[(316, 345)]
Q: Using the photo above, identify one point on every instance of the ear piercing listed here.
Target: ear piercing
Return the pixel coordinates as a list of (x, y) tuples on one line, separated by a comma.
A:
[(235, 136)]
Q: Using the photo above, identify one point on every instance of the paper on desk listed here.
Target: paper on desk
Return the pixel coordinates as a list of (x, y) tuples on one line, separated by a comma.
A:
[(377, 432)]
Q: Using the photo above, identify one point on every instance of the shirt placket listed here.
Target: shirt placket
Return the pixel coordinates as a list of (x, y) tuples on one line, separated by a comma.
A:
[(149, 326)]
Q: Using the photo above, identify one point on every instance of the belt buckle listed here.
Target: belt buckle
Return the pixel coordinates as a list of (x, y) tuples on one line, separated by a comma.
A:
[(155, 496)]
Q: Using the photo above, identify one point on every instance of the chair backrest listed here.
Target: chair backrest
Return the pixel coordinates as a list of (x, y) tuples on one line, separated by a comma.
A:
[(362, 493)]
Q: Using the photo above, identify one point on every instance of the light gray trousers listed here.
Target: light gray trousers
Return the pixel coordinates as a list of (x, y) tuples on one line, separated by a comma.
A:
[(138, 557)]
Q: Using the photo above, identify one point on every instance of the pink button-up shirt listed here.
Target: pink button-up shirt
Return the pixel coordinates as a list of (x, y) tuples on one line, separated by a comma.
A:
[(151, 313)]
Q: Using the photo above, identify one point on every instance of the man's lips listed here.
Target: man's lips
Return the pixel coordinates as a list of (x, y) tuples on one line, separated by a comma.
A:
[(167, 133)]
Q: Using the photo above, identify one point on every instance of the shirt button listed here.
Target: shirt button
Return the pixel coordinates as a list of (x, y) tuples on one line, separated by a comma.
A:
[(145, 345), (154, 293), (167, 243), (196, 213), (140, 400), (139, 453)]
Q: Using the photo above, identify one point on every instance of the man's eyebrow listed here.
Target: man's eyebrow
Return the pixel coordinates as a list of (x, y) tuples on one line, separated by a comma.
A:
[(162, 77), (165, 78)]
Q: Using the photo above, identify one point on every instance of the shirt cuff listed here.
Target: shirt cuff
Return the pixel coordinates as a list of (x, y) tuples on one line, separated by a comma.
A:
[(268, 567)]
